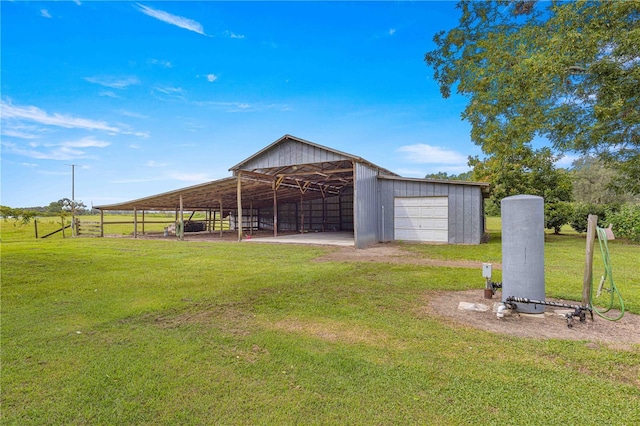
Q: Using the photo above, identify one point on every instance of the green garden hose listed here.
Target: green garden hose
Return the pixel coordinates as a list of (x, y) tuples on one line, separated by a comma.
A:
[(612, 289)]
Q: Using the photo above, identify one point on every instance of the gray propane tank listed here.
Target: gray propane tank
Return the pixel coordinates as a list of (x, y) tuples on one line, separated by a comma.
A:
[(523, 250)]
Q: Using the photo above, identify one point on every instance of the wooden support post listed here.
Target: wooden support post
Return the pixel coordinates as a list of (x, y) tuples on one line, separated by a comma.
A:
[(35, 224), (340, 212), (324, 213), (142, 222), (251, 218), (275, 210), (135, 223), (592, 223), (181, 231), (239, 197), (220, 217), (102, 223), (302, 213)]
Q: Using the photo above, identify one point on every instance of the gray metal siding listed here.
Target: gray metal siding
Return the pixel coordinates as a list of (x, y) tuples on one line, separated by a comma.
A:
[(365, 206), (292, 152), (466, 215), (386, 190)]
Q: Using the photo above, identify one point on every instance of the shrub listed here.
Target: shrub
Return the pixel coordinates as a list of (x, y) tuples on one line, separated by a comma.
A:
[(626, 222), (557, 214), (581, 212)]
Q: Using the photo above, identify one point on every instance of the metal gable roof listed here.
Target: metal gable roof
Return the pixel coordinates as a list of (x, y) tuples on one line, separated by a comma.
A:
[(292, 181)]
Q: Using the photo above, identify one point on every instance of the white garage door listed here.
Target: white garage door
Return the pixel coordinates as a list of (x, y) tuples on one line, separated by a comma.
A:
[(421, 219)]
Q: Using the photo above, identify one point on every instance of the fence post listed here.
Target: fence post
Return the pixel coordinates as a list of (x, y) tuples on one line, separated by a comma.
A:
[(592, 223), (35, 224)]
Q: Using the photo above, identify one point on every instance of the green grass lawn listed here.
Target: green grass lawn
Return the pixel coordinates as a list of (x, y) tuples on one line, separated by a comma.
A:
[(123, 331)]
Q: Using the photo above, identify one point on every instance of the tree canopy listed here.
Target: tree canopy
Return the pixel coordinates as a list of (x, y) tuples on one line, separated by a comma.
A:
[(567, 72), (523, 171), (466, 176)]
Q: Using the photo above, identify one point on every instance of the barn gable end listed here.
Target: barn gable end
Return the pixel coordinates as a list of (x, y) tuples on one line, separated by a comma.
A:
[(288, 151)]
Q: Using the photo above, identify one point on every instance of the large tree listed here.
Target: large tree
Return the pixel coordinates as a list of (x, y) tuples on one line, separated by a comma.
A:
[(565, 72), (523, 171), (593, 183)]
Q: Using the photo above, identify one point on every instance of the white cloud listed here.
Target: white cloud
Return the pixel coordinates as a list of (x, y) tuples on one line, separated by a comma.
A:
[(170, 93), (411, 172), (428, 154), (64, 151), (178, 21), (243, 106), (211, 78), (45, 13), (109, 94), (566, 160), (88, 142), (152, 163), (392, 31), (231, 34), (32, 113), (165, 64), (133, 114), (13, 133), (113, 82), (171, 90), (421, 173)]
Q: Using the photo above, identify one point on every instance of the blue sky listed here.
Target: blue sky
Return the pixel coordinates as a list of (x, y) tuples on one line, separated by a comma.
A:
[(147, 97)]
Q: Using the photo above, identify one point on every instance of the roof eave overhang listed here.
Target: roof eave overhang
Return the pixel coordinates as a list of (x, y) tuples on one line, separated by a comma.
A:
[(485, 187)]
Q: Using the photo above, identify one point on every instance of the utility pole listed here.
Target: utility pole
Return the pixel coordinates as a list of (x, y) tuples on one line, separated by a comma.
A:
[(73, 199)]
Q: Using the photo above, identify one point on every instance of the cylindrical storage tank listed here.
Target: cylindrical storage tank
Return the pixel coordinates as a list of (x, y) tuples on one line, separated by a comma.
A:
[(523, 250)]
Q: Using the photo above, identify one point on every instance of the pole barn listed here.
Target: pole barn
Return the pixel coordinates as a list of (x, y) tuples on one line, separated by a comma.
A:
[(294, 185)]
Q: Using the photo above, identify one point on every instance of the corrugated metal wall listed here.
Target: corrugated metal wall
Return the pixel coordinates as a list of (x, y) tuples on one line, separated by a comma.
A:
[(292, 152), (331, 215), (466, 207), (366, 206)]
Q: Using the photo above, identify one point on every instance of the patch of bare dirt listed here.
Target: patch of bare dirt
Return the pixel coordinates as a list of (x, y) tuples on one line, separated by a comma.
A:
[(230, 318), (622, 334), (392, 253), (333, 331)]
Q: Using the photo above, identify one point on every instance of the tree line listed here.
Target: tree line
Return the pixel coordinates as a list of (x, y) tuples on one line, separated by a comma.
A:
[(61, 208)]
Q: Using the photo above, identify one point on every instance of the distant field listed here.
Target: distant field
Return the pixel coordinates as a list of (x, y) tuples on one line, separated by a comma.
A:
[(107, 331), (113, 224)]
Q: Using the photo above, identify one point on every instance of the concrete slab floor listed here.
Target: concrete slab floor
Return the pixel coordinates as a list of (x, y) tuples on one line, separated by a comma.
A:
[(322, 238)]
